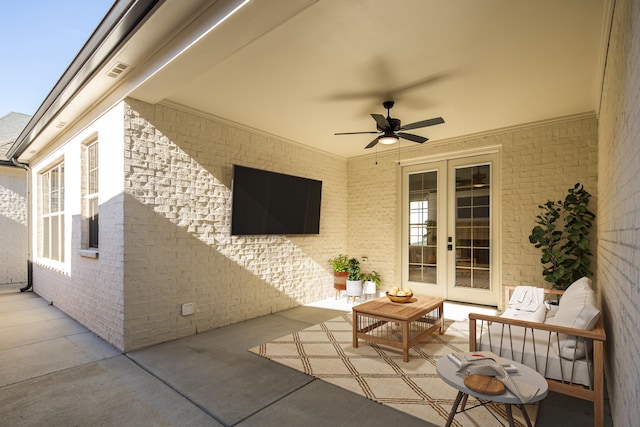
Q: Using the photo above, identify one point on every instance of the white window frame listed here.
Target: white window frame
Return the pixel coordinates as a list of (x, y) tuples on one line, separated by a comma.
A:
[(91, 198), (52, 214)]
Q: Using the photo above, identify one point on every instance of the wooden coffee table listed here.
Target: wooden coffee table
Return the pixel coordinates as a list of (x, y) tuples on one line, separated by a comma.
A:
[(399, 325)]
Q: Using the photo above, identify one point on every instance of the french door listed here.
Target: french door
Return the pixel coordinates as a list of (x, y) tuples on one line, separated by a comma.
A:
[(450, 242)]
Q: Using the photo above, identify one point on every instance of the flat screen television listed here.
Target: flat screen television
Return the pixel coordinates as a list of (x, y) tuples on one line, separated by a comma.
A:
[(264, 202)]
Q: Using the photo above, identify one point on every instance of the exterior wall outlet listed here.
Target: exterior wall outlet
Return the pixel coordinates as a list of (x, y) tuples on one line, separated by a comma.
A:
[(364, 259), (188, 308)]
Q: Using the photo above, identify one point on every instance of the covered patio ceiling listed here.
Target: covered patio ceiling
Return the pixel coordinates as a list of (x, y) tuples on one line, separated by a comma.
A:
[(481, 65), (303, 70)]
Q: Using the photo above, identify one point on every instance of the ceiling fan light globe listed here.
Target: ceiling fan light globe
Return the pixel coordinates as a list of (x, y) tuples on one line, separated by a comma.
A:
[(388, 140)]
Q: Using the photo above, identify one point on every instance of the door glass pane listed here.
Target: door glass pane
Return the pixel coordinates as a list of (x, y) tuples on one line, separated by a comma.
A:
[(472, 227), (423, 238)]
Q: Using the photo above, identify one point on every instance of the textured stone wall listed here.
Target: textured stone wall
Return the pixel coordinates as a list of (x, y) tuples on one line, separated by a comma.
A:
[(178, 247), (13, 225), (538, 162), (619, 212)]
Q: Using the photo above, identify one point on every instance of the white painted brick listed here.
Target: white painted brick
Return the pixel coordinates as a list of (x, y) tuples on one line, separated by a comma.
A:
[(13, 225), (619, 212), (532, 173), (89, 290), (177, 180)]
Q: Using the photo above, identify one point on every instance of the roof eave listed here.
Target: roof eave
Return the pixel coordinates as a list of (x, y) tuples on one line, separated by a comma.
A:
[(120, 22)]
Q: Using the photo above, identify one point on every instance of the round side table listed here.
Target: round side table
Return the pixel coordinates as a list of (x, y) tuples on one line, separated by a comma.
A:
[(447, 372)]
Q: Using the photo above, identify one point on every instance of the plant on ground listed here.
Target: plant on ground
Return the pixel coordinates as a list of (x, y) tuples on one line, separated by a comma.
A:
[(563, 235)]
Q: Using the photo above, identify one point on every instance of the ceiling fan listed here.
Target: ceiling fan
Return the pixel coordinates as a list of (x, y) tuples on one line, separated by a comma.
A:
[(391, 129)]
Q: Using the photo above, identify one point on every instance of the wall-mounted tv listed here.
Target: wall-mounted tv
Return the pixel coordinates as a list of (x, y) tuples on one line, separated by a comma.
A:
[(264, 202)]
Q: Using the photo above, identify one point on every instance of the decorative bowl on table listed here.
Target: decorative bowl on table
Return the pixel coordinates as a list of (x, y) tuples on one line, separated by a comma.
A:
[(401, 296)]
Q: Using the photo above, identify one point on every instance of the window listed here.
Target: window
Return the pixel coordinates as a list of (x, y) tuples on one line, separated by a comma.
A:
[(52, 185), (90, 195)]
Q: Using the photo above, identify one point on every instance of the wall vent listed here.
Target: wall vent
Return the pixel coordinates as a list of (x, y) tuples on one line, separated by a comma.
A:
[(60, 125), (188, 308), (117, 69)]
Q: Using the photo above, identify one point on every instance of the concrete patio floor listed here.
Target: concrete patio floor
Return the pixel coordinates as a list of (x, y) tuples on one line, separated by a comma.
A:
[(55, 372)]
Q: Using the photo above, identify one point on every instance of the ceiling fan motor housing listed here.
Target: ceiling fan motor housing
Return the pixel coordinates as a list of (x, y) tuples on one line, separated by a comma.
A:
[(389, 126), (394, 125)]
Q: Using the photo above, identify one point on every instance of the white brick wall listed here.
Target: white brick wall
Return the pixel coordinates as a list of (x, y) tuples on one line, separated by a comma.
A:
[(541, 164), (373, 215), (178, 247), (165, 228), (538, 163), (89, 290), (13, 225), (619, 212)]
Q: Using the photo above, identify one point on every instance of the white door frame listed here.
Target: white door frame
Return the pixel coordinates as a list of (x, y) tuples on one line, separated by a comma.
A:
[(476, 296), (445, 166), (437, 289)]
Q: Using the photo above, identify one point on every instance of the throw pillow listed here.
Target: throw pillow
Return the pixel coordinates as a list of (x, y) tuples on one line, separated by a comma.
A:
[(577, 309)]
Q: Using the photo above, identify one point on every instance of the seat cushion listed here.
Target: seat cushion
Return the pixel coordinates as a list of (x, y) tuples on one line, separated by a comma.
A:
[(530, 349), (577, 309), (577, 291)]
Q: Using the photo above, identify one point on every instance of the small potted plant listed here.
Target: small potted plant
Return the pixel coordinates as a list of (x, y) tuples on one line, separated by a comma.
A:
[(371, 282), (339, 265), (354, 279)]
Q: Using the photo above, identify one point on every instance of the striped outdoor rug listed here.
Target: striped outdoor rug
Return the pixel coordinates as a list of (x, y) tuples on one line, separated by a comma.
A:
[(377, 372)]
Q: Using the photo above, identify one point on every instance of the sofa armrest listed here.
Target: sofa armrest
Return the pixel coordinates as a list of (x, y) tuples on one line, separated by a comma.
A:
[(597, 333)]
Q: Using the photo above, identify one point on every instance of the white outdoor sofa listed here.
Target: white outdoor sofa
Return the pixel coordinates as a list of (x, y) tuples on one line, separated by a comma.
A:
[(564, 343)]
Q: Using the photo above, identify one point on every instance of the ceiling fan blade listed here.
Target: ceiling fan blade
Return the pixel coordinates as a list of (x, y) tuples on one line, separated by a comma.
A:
[(352, 133), (373, 143), (427, 80), (423, 123), (411, 137), (381, 121)]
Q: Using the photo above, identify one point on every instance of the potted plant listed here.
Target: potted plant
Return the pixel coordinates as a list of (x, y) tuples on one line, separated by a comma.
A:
[(563, 235), (339, 265), (354, 279), (371, 282)]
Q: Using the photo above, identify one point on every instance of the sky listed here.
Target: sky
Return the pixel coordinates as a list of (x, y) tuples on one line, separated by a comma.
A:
[(38, 41)]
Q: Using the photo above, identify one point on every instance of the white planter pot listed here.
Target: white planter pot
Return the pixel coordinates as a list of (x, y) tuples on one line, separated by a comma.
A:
[(369, 288), (354, 288)]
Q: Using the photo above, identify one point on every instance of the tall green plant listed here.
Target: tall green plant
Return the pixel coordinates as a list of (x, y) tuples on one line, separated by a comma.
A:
[(353, 270), (563, 235)]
